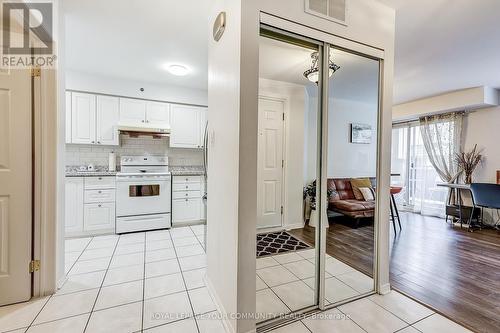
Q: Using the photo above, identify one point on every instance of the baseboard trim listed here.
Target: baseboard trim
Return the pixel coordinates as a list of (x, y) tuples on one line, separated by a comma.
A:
[(228, 327)]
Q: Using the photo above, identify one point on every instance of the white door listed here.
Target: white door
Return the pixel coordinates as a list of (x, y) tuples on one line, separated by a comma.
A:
[(99, 216), (270, 163), (108, 115), (83, 118), (185, 122), (132, 111), (158, 113), (73, 207), (15, 186), (68, 116)]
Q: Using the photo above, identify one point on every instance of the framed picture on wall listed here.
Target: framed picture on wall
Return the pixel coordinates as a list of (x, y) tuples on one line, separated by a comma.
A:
[(361, 133)]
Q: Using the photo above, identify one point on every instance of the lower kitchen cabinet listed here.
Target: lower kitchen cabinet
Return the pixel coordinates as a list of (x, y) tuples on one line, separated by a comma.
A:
[(99, 217), (187, 202), (73, 207), (90, 207)]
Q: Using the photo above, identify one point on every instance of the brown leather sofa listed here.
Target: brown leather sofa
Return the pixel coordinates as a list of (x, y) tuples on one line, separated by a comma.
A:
[(344, 202)]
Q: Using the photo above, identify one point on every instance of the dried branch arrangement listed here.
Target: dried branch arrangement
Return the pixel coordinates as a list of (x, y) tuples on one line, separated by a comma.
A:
[(467, 162)]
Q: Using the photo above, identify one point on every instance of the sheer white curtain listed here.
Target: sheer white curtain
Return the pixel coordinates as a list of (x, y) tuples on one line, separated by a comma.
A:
[(434, 161)]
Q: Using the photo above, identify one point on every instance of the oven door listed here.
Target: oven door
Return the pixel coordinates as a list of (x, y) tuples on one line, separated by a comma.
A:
[(142, 197)]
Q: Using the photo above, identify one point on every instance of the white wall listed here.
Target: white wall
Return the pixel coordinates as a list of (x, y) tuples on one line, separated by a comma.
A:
[(296, 101), (116, 86), (346, 159), (481, 128)]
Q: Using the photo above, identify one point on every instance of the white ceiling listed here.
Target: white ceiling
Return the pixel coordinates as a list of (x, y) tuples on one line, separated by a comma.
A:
[(445, 45), (441, 45), (133, 39), (356, 79)]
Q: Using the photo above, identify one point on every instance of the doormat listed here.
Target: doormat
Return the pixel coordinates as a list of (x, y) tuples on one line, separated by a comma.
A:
[(278, 242)]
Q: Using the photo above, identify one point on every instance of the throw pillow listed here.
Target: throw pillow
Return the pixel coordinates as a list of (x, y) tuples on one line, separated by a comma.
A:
[(367, 193), (356, 183)]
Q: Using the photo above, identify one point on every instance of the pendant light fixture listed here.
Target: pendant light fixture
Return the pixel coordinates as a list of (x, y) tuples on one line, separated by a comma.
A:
[(312, 74)]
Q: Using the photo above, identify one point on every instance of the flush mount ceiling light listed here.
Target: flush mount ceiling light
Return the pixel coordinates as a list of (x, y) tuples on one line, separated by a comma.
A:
[(312, 74), (177, 70)]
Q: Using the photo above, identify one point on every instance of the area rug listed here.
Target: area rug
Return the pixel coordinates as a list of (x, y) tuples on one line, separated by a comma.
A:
[(278, 242)]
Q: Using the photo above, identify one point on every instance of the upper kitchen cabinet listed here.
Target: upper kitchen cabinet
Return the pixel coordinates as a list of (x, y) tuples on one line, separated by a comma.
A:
[(94, 119), (83, 118), (158, 113), (108, 115), (132, 111), (188, 124), (68, 117)]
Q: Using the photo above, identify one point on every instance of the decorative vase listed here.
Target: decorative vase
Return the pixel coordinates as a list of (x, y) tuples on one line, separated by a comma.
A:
[(313, 219), (468, 178)]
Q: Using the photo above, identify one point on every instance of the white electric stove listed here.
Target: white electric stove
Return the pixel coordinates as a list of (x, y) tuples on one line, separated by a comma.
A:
[(143, 194)]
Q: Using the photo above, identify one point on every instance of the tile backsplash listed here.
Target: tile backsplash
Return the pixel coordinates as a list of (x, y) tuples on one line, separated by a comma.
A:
[(98, 155)]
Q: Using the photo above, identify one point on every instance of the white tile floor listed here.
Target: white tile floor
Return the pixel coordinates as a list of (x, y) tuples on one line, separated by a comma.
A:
[(285, 282), (141, 282), (153, 282)]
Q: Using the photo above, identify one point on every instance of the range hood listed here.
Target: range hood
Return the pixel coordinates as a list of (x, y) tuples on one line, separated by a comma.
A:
[(154, 130)]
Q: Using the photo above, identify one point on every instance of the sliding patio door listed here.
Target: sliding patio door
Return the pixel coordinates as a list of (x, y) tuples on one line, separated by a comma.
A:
[(317, 175)]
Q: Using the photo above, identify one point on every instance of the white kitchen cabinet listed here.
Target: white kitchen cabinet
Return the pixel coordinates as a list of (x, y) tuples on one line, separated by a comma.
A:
[(186, 126), (73, 206), (158, 113), (132, 111), (99, 217), (83, 118), (108, 115), (90, 206), (187, 202), (203, 124), (68, 116), (185, 210)]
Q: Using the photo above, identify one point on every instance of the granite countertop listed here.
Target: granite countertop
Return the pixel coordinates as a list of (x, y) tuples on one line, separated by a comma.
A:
[(186, 170), (77, 171)]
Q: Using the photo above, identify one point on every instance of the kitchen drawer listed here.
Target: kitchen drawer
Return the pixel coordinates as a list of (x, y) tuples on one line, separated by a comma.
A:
[(186, 179), (96, 196), (176, 187), (186, 194), (96, 183)]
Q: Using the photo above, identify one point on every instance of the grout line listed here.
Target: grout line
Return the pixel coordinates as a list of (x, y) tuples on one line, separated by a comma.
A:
[(98, 293), (350, 318), (143, 284), (185, 286), (78, 258), (43, 306)]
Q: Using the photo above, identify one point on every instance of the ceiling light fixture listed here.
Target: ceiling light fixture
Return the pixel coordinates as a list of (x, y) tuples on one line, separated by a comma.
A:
[(312, 74), (177, 70)]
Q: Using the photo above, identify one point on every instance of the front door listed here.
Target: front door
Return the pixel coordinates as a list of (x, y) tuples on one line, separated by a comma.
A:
[(15, 185), (270, 163)]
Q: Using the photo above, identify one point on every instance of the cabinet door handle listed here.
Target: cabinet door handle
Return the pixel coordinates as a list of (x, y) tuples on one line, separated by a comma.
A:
[(187, 186), (100, 178), (99, 192), (98, 142), (93, 142), (99, 205), (186, 199), (142, 120)]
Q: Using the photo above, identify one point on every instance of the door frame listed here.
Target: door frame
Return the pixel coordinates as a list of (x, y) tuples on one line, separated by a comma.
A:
[(47, 109), (285, 137)]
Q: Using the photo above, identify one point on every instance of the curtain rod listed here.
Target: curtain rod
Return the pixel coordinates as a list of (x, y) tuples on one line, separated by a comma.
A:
[(416, 121)]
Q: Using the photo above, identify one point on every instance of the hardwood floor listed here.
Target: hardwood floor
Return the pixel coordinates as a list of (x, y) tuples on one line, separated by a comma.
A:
[(451, 270)]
